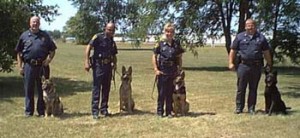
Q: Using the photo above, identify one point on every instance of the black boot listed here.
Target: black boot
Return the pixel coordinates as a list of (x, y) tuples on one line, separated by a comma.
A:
[(239, 109), (251, 110)]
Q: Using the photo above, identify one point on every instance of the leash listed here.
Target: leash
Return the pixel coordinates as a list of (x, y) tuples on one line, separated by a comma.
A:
[(155, 81), (118, 73), (114, 77)]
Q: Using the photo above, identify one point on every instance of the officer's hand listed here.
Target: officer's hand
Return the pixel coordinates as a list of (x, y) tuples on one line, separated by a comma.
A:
[(231, 66), (87, 66), (46, 62), (21, 71), (114, 66), (158, 72)]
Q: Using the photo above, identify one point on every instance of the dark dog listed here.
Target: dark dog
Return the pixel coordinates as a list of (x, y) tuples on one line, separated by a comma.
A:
[(180, 105), (273, 101), (53, 104), (126, 100)]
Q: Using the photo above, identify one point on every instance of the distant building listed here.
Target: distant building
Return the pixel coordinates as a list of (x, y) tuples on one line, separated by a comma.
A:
[(70, 39)]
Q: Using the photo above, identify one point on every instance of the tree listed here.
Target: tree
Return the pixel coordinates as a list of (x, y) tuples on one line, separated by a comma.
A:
[(196, 19), (216, 18), (281, 18), (122, 12), (55, 34), (82, 26), (16, 14)]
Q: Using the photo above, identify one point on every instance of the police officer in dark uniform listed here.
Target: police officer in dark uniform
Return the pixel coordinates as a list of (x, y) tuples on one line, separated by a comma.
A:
[(35, 49), (167, 61), (252, 46), (102, 62)]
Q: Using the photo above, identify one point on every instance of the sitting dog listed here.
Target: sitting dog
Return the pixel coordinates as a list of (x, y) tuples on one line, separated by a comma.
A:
[(180, 105), (126, 100), (273, 101), (53, 104)]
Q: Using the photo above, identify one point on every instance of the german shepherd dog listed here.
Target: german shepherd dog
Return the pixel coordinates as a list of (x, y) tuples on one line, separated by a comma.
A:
[(126, 100), (273, 101), (53, 104), (180, 105)]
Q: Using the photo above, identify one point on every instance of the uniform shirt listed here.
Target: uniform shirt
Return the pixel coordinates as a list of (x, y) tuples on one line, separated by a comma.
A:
[(104, 47), (167, 53), (35, 46), (250, 47)]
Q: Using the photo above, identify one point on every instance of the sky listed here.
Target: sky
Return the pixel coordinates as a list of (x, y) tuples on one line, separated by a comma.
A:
[(66, 10)]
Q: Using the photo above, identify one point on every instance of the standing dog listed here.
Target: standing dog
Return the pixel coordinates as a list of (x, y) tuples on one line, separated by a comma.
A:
[(53, 104), (180, 105), (273, 101), (126, 100)]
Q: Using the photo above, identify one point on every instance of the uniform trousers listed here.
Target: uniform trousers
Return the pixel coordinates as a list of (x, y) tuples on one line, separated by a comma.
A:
[(247, 75), (102, 75), (32, 76), (165, 88)]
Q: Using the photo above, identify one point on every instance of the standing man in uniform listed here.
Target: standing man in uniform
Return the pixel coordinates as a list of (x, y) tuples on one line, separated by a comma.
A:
[(167, 61), (252, 46), (35, 49), (102, 62)]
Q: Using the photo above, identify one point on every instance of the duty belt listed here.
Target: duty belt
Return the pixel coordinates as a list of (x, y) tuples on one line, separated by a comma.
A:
[(104, 61), (35, 62), (167, 63), (252, 62)]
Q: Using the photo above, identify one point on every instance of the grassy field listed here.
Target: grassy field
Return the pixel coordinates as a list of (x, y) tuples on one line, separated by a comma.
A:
[(210, 91)]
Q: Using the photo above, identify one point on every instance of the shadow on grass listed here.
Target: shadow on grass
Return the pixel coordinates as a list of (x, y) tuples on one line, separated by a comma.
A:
[(212, 68), (135, 112), (13, 87), (197, 114), (134, 49), (294, 93), (284, 70), (68, 115), (262, 112)]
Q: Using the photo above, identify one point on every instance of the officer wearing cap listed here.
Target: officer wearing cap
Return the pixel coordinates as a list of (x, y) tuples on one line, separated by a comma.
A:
[(102, 62), (167, 61), (252, 46), (35, 49)]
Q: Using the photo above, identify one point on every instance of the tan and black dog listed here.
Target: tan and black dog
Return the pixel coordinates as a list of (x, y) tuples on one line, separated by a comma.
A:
[(273, 101), (53, 104), (180, 104), (126, 100)]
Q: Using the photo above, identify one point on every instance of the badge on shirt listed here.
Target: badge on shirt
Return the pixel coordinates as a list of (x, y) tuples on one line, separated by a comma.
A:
[(164, 49), (43, 39), (28, 42)]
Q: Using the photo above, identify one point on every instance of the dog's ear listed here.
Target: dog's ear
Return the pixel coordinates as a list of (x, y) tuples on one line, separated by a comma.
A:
[(182, 74), (123, 69), (130, 69)]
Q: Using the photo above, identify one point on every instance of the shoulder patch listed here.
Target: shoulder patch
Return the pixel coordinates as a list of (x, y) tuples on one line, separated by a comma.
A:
[(94, 37)]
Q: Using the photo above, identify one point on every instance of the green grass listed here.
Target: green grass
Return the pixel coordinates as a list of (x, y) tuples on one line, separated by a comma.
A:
[(210, 91)]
